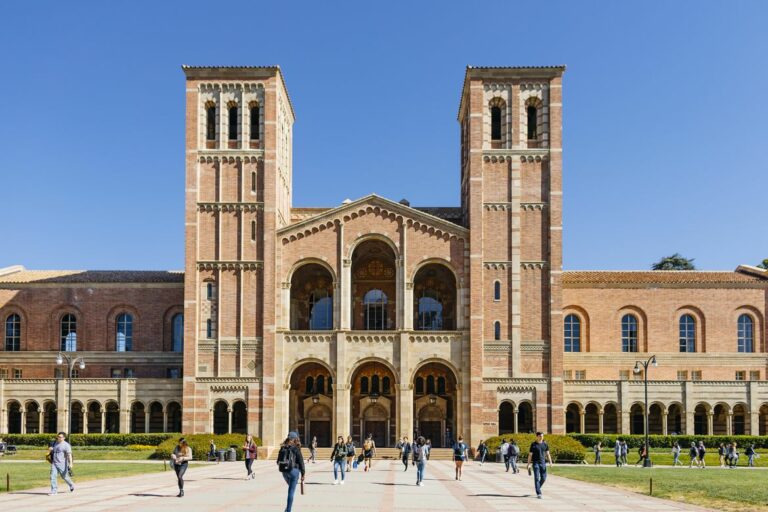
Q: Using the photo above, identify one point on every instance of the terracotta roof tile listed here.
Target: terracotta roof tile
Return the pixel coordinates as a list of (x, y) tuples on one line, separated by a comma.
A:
[(659, 277), (24, 276)]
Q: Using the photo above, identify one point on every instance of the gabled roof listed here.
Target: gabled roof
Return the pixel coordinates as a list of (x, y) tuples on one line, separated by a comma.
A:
[(19, 275), (380, 202)]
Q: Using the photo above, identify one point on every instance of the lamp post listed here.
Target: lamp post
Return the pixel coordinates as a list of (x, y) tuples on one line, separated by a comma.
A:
[(71, 362), (645, 364)]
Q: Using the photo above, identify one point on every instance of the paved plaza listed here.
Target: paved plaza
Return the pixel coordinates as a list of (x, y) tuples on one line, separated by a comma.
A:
[(387, 487)]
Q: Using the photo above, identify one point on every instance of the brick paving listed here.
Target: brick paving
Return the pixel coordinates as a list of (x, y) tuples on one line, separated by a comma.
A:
[(387, 487)]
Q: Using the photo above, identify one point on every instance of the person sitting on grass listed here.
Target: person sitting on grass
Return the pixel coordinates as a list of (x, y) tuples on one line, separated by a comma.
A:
[(733, 455)]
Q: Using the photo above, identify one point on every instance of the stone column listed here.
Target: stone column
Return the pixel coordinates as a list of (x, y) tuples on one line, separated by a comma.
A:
[(85, 420), (729, 424), (400, 287), (601, 421), (342, 387), (103, 419), (710, 423), (210, 420), (285, 305), (229, 421), (582, 422), (146, 421), (165, 420), (40, 421), (664, 422), (23, 419), (515, 411), (346, 294), (625, 422)]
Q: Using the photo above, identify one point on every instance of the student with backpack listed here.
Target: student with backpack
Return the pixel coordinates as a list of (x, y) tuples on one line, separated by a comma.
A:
[(694, 453), (504, 449), (459, 455), (676, 454), (369, 450), (624, 451), (750, 453), (702, 452), (419, 453), (338, 456), (482, 451), (290, 462), (617, 452), (405, 452), (350, 453), (514, 455)]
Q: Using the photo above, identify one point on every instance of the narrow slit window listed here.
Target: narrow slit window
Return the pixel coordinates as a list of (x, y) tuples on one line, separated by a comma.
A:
[(210, 123), (255, 123), (496, 123), (532, 128), (497, 331), (253, 230), (253, 181), (497, 290), (232, 123), (209, 328)]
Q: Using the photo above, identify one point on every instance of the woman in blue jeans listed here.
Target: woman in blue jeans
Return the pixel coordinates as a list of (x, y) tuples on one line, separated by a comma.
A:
[(292, 476), (338, 457), (419, 453)]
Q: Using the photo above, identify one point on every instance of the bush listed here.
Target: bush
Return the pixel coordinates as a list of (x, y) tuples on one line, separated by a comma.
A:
[(200, 444), (656, 441), (89, 439), (562, 448)]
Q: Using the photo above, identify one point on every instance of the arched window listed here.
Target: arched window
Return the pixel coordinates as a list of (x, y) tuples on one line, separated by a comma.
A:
[(68, 333), (746, 335), (320, 310), (497, 330), (385, 386), (210, 122), (330, 385), (375, 385), (363, 385), (496, 123), (233, 123), (572, 333), (687, 334), (430, 314), (177, 326), (419, 385), (13, 333), (430, 385), (375, 310), (532, 129), (310, 386), (209, 291), (253, 230), (124, 333), (253, 181), (629, 333), (320, 384), (209, 328), (255, 123), (497, 290), (441, 385)]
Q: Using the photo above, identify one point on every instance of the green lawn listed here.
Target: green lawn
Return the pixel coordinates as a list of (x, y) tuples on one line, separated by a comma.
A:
[(720, 489), (26, 476), (84, 454), (663, 457)]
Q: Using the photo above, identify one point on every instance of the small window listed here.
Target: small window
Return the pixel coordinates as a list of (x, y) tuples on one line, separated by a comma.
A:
[(124, 334), (687, 334), (385, 386), (441, 385), (232, 123), (320, 384), (116, 373), (330, 385), (419, 385), (210, 122), (682, 375), (58, 373), (177, 324), (496, 123), (532, 128), (209, 291), (173, 373), (497, 331), (375, 385), (75, 373), (255, 123), (572, 335), (754, 375), (567, 374), (68, 333), (623, 374), (253, 181), (497, 290), (430, 385), (581, 374), (363, 385), (209, 328), (745, 334), (696, 375), (13, 333), (3, 373), (629, 333), (129, 373), (741, 375), (309, 387), (17, 373), (253, 230)]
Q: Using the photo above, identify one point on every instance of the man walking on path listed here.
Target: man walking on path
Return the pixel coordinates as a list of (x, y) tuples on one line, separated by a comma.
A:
[(504, 448), (514, 453), (617, 452), (624, 450), (405, 452), (538, 454), (61, 463)]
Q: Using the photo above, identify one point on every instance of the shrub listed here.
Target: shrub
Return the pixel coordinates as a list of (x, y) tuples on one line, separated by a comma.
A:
[(657, 441), (200, 444), (562, 448), (140, 447), (89, 439)]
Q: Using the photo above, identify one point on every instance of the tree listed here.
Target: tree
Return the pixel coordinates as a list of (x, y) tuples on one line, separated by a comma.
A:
[(674, 262), (764, 264)]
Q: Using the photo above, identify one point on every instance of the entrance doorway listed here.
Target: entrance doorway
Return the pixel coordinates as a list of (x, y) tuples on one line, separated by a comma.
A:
[(373, 403), (310, 399), (378, 429)]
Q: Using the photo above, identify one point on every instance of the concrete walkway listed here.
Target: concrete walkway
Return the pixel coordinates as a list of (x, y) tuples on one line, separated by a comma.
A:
[(387, 487)]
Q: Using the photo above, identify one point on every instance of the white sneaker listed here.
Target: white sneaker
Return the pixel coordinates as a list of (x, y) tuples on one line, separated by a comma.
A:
[(342, 482), (335, 482)]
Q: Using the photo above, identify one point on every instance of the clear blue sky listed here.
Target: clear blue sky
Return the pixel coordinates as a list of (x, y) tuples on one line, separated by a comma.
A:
[(665, 107)]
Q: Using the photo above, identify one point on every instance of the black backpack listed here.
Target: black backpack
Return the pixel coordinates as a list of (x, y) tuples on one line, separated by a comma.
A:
[(286, 459), (417, 452), (458, 449)]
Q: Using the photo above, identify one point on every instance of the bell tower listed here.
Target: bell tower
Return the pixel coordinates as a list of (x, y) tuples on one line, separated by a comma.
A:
[(511, 192), (239, 123)]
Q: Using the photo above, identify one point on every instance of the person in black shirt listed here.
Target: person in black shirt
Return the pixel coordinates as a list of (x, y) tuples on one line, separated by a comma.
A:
[(538, 454)]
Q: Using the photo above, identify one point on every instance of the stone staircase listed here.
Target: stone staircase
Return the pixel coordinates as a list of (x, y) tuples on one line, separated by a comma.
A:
[(381, 453)]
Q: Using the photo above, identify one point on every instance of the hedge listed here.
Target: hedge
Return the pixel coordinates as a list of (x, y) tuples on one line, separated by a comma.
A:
[(562, 448), (200, 444), (89, 439), (657, 441)]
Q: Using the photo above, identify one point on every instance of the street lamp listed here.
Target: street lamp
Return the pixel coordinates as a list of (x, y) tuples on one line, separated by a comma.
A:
[(432, 399), (645, 365), (316, 399), (71, 362), (373, 397)]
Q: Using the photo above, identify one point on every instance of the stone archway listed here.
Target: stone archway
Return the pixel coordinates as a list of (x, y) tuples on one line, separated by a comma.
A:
[(220, 417), (636, 419), (376, 420), (138, 418), (33, 418), (655, 422), (610, 419), (592, 419), (373, 383), (318, 421), (435, 384), (506, 418), (311, 385), (675, 423), (374, 286), (572, 419), (525, 418), (50, 418), (14, 417)]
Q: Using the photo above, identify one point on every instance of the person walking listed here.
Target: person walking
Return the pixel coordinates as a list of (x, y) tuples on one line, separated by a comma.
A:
[(750, 453), (369, 451), (429, 447), (624, 450), (338, 457), (598, 448), (538, 454), (61, 463), (181, 456), (399, 447), (351, 452), (212, 451), (702, 452), (642, 452), (405, 452), (482, 451), (504, 449), (617, 452), (290, 462), (313, 450), (676, 454), (419, 458), (694, 453), (459, 455), (514, 455), (721, 454), (249, 454)]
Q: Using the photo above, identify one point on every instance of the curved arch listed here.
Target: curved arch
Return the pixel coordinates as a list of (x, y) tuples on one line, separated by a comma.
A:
[(31, 401), (611, 423), (758, 344), (56, 317), (435, 297), (435, 261), (373, 236), (5, 316), (583, 316), (642, 324), (301, 362), (308, 261), (448, 364), (700, 325), (675, 423), (360, 362)]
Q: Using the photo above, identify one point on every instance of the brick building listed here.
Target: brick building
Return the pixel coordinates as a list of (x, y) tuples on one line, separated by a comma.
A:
[(375, 316)]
